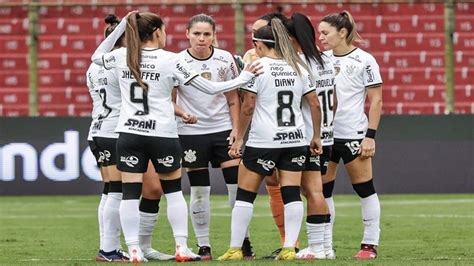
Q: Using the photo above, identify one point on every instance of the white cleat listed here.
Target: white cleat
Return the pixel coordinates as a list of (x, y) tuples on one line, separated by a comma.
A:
[(185, 254), (136, 256), (152, 254), (308, 254)]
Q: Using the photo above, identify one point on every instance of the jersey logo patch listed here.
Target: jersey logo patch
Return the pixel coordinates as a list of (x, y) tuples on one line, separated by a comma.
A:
[(167, 161), (266, 164), (190, 156), (350, 70), (299, 160), (337, 69), (129, 160), (206, 75), (221, 73)]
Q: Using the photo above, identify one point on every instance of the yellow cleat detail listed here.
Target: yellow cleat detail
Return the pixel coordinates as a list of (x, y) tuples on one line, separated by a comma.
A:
[(286, 254), (232, 254)]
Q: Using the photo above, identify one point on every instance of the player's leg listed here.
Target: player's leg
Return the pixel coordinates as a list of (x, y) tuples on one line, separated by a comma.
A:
[(132, 161), (149, 208), (167, 162), (248, 184), (196, 156), (317, 210), (360, 172)]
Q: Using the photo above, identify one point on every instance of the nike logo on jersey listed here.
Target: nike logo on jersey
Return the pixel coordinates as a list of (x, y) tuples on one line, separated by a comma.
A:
[(129, 160)]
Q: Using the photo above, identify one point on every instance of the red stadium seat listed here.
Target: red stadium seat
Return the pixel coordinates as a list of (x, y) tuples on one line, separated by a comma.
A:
[(11, 96), (14, 110), (65, 110)]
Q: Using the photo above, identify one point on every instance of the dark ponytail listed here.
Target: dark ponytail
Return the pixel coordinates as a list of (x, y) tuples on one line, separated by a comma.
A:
[(112, 21)]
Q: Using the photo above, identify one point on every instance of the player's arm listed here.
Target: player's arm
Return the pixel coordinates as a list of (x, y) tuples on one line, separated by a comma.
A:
[(312, 100), (367, 147), (246, 113), (178, 111), (233, 101)]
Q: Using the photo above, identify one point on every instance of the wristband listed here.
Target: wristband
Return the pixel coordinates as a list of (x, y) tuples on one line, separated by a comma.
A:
[(370, 133)]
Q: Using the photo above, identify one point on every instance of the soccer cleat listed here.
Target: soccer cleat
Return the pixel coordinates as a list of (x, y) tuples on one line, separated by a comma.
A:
[(232, 254), (136, 256), (366, 252), (152, 254), (286, 254), (112, 256), (205, 253), (185, 254), (308, 254), (330, 254), (247, 250)]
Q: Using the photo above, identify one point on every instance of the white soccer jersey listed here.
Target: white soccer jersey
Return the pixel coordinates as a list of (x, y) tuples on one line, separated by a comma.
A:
[(148, 112), (212, 111), (103, 84), (355, 72), (277, 121), (95, 96), (324, 84)]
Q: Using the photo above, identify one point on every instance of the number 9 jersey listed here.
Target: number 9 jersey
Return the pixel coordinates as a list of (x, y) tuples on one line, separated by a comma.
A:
[(277, 121), (148, 112)]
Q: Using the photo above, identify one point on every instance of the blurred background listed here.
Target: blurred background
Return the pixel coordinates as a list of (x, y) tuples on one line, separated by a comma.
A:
[(425, 50)]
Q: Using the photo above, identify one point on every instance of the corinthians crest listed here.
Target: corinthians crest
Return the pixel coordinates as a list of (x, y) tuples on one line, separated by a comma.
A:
[(190, 156)]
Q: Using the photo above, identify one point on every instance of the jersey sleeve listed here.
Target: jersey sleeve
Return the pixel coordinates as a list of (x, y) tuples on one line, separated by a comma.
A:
[(109, 60), (308, 84), (182, 73), (250, 86), (372, 77)]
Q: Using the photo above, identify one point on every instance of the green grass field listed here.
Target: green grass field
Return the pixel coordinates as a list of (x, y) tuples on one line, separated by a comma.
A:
[(416, 230)]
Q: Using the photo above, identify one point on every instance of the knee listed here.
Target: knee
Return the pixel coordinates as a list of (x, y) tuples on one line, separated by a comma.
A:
[(290, 194), (365, 189)]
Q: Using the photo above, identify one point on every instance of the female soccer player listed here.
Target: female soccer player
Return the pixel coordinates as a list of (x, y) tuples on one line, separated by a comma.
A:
[(147, 126), (318, 218), (277, 135), (357, 77), (105, 92), (207, 141)]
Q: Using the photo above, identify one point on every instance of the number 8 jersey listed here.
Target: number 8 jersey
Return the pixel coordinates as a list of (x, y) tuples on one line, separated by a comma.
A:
[(277, 121), (148, 112)]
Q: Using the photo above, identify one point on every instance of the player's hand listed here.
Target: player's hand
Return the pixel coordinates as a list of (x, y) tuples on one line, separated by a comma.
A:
[(254, 68), (232, 137), (188, 118), (367, 148), (315, 146), (235, 150)]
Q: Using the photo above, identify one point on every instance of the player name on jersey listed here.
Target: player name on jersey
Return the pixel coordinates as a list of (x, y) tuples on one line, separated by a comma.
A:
[(144, 74)]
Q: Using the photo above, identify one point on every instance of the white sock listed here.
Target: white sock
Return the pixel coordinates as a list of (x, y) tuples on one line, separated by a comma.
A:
[(112, 222), (371, 219), (294, 212), (199, 207), (177, 212), (241, 216), (327, 236), (145, 232), (130, 220), (315, 236), (232, 193), (332, 209), (100, 215)]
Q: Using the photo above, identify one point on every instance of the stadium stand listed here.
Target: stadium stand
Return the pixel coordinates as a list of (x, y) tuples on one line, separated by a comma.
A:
[(406, 38)]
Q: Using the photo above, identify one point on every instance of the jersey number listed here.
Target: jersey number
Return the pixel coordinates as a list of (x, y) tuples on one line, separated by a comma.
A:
[(285, 99), (107, 109), (143, 100), (325, 97)]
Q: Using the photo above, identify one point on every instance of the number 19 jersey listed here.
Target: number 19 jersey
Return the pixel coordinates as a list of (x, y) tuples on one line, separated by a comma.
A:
[(148, 112), (277, 121)]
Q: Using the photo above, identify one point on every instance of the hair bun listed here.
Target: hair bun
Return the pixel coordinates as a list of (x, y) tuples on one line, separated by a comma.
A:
[(111, 19)]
